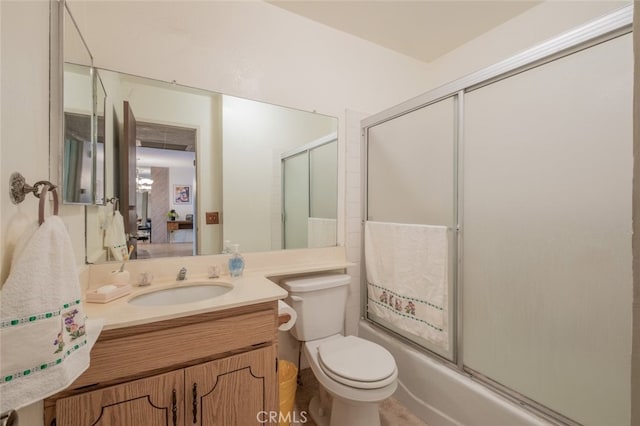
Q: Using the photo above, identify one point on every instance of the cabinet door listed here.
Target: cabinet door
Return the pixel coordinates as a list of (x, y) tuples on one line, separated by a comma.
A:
[(157, 400), (240, 390)]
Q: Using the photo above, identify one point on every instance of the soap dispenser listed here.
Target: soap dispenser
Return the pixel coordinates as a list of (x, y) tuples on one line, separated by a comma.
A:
[(236, 261)]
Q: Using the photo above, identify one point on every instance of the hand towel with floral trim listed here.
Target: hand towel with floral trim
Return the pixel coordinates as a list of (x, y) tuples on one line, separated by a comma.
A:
[(45, 336)]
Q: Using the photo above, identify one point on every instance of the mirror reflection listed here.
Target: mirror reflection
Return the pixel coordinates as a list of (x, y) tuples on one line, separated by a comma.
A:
[(83, 172), (309, 177), (100, 102), (82, 151), (197, 171), (78, 154)]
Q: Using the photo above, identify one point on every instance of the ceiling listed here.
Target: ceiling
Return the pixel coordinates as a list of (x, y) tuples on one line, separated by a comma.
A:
[(162, 136), (421, 29), (153, 157)]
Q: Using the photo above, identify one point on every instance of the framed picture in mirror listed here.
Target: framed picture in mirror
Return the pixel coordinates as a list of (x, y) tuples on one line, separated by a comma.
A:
[(182, 194)]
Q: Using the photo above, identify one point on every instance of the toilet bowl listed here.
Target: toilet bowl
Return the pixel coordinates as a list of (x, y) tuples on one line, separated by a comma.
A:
[(354, 396), (374, 383), (354, 374)]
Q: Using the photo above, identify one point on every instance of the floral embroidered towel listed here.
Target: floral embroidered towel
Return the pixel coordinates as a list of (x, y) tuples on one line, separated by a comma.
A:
[(407, 278), (45, 336)]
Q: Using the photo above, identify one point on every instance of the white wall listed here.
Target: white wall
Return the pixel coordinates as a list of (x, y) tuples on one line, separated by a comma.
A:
[(24, 123), (635, 360), (536, 25)]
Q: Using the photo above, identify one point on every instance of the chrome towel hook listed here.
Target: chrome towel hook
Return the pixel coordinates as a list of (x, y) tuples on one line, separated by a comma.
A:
[(116, 203)]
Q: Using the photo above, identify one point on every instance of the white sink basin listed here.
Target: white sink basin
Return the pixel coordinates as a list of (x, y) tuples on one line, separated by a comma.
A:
[(193, 292)]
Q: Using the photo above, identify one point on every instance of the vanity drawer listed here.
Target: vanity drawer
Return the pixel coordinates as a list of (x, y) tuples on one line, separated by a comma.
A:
[(148, 349)]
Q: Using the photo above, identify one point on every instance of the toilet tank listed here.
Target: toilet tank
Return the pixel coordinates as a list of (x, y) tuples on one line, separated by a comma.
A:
[(320, 303)]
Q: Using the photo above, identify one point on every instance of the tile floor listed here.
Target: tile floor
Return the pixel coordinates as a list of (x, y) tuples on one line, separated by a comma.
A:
[(392, 413)]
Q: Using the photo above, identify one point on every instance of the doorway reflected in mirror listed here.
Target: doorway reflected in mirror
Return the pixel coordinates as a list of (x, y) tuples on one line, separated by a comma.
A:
[(224, 163), (163, 199)]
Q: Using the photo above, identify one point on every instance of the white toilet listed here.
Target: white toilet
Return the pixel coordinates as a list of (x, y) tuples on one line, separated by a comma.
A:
[(354, 374)]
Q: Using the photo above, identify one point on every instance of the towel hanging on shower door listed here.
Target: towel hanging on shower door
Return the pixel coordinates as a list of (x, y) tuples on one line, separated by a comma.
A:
[(407, 278)]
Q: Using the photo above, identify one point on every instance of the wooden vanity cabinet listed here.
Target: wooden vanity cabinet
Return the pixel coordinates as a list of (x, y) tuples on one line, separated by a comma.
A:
[(174, 384), (157, 400), (231, 391)]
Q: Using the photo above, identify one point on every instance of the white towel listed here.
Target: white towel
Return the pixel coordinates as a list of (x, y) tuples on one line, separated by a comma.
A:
[(46, 338), (115, 238), (407, 278)]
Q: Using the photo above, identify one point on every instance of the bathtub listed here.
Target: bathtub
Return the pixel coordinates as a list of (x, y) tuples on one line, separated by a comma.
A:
[(442, 396)]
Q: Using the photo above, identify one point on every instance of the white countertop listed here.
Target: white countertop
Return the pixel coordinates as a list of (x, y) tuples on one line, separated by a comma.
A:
[(252, 288), (247, 290)]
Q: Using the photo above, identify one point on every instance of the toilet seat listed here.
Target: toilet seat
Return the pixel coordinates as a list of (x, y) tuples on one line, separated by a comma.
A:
[(356, 362)]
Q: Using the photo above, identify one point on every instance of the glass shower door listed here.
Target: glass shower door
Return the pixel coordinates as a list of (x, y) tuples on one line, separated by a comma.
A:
[(411, 184)]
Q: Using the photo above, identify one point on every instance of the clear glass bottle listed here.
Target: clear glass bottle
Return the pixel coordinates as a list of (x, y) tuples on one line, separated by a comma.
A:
[(236, 262)]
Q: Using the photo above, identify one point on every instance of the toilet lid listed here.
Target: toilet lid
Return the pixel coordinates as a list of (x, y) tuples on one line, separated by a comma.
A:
[(357, 362)]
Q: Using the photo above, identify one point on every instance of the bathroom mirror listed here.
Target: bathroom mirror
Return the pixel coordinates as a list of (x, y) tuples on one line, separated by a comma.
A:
[(78, 149), (217, 163), (82, 153), (218, 159)]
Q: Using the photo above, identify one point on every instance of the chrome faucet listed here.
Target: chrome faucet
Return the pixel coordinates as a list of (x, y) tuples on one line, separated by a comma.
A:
[(182, 274)]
